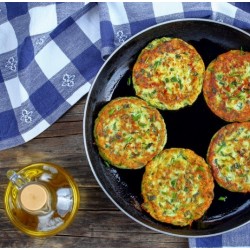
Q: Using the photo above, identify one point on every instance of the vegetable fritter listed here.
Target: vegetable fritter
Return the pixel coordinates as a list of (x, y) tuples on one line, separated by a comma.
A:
[(129, 132), (229, 156), (168, 74), (227, 86), (177, 187)]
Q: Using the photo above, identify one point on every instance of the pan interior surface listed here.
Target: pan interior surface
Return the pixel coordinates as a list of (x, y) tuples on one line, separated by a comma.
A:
[(191, 127)]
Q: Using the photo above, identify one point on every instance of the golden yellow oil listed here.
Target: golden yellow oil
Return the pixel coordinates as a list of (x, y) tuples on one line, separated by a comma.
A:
[(64, 200)]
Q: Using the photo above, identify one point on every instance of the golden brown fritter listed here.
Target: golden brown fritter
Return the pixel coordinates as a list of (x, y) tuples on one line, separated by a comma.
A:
[(168, 74), (177, 187), (229, 157), (129, 132), (227, 86)]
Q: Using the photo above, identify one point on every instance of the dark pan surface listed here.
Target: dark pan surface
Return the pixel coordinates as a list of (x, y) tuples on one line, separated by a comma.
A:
[(191, 127)]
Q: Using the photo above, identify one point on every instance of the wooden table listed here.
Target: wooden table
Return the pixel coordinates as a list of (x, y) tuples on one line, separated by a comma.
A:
[(99, 223)]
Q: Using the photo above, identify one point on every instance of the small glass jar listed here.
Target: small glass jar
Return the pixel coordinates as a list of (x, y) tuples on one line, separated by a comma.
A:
[(41, 199)]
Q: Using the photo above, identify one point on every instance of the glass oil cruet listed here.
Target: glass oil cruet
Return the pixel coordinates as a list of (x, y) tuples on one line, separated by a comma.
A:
[(33, 197), (41, 199)]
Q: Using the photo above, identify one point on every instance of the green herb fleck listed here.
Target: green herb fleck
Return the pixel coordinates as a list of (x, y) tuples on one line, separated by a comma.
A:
[(174, 196), (219, 77), (152, 93), (182, 156), (141, 124), (166, 80), (235, 74), (233, 84), (157, 64), (174, 79), (180, 83), (221, 83), (222, 198), (200, 168), (173, 183), (136, 116), (111, 111), (222, 145), (106, 164), (129, 139), (129, 81), (149, 145), (150, 46)]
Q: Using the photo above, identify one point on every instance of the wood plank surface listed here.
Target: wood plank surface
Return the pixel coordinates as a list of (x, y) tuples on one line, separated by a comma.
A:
[(98, 222)]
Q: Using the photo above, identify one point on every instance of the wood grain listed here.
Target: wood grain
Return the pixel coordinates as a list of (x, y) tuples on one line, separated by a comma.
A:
[(98, 222)]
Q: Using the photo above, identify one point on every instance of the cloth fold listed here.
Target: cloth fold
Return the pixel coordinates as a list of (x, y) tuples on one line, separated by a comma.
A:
[(51, 52)]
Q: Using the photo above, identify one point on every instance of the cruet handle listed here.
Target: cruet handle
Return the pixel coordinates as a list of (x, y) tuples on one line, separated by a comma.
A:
[(18, 180)]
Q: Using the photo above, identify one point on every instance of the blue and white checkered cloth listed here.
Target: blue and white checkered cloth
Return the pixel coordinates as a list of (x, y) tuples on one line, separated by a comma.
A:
[(51, 52), (236, 238)]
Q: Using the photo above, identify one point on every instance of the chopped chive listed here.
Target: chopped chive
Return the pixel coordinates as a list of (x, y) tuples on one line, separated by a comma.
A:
[(111, 111), (219, 77), (174, 196), (148, 145), (180, 83), (150, 46), (173, 183), (129, 139), (141, 124), (200, 168), (222, 198), (235, 74), (129, 81), (166, 80), (222, 145), (136, 116), (106, 164), (151, 94), (156, 64), (233, 84), (173, 79), (221, 83), (182, 156)]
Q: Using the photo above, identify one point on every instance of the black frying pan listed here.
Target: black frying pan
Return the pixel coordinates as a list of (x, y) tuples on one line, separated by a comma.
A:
[(191, 127)]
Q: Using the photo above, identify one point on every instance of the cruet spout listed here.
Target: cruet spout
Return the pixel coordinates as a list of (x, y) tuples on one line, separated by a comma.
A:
[(18, 180)]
